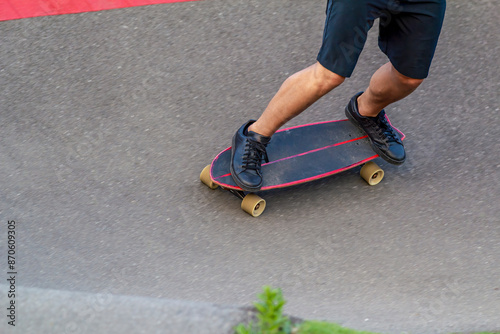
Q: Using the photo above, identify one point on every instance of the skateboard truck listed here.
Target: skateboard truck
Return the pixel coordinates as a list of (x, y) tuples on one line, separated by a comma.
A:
[(255, 205), (251, 203)]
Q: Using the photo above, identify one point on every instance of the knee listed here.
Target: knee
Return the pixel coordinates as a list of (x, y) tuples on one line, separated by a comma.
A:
[(407, 82), (325, 79), (410, 83)]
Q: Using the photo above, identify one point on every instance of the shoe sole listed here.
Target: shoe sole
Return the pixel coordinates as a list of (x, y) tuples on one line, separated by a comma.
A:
[(374, 147)]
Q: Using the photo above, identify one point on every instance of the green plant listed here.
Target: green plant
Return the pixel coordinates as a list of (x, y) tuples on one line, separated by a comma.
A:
[(272, 321), (322, 327), (270, 318)]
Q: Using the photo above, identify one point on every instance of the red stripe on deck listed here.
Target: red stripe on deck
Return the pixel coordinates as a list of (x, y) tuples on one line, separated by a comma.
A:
[(284, 185), (316, 150), (294, 156), (19, 9)]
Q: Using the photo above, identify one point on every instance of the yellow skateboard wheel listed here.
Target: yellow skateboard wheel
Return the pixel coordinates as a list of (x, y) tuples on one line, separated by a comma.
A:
[(206, 179), (253, 205), (372, 173)]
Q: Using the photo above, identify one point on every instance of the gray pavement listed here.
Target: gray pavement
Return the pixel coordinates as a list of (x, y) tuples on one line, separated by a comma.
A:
[(109, 117), (56, 311)]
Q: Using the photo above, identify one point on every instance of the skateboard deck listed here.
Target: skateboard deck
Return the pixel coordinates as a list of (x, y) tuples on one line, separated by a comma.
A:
[(302, 154)]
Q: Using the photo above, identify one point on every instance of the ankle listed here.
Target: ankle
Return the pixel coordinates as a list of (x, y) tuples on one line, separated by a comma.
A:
[(255, 128), (364, 107)]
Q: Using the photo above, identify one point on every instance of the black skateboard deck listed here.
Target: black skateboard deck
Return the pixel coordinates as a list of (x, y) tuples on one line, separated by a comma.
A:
[(302, 154)]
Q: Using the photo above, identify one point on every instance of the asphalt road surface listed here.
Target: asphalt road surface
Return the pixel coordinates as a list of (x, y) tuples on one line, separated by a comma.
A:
[(108, 118)]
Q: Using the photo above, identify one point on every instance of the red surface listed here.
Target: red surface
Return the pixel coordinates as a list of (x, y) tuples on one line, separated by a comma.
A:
[(18, 9)]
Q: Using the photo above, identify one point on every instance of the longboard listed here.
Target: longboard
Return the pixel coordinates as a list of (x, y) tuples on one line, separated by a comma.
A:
[(301, 154)]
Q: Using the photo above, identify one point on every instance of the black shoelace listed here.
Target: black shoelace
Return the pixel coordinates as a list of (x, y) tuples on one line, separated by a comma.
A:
[(386, 131), (254, 152)]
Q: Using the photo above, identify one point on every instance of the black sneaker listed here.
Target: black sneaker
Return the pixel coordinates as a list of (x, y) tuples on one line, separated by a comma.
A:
[(247, 153), (384, 139)]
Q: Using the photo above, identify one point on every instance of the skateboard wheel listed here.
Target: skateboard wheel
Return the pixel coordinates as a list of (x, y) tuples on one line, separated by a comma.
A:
[(206, 179), (253, 205), (372, 173)]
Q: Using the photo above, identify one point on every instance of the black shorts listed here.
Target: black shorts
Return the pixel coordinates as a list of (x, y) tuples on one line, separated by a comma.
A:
[(409, 31)]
